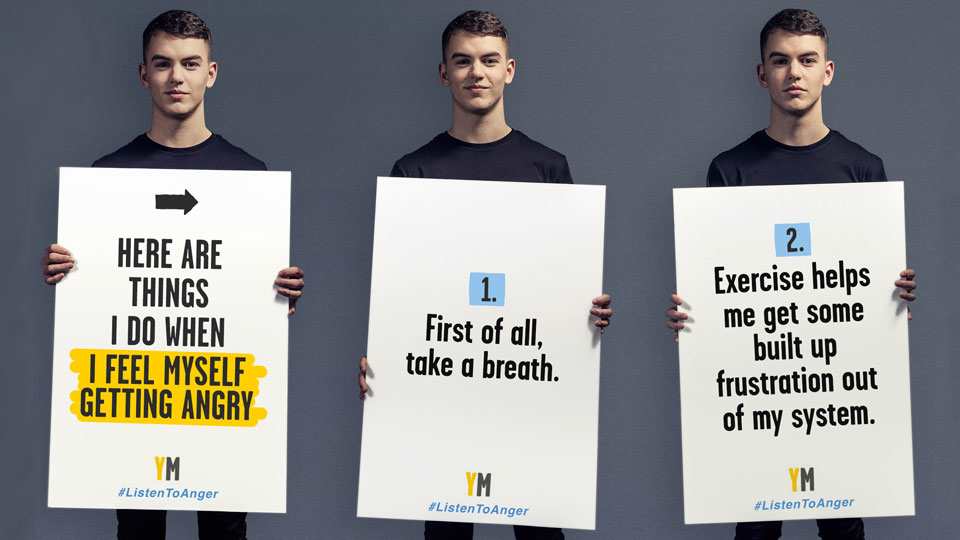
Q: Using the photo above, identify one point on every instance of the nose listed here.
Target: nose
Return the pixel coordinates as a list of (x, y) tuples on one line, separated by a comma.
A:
[(793, 71), (476, 70), (176, 74)]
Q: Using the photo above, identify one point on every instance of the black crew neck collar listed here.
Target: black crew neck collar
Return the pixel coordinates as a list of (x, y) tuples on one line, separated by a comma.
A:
[(797, 149), (186, 150), (450, 139)]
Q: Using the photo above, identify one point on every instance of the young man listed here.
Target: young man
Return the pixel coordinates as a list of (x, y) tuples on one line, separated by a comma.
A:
[(177, 70), (476, 67), (796, 148)]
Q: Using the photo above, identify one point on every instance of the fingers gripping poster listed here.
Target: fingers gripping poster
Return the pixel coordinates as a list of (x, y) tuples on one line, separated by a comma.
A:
[(483, 360), (794, 366), (170, 345)]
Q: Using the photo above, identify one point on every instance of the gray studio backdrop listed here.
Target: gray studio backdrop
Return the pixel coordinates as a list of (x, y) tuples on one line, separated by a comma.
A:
[(639, 97)]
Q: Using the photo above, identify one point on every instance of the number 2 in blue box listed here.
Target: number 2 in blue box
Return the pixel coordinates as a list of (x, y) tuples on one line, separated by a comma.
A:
[(487, 289), (792, 239)]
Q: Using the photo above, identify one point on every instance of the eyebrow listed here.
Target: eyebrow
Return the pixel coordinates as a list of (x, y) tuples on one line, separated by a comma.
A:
[(161, 57), (809, 53), (484, 55)]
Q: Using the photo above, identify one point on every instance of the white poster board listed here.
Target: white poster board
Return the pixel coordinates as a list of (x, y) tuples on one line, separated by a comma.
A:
[(170, 345), (794, 368), (516, 440)]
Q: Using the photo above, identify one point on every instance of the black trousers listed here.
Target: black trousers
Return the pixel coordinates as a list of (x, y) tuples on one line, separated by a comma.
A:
[(152, 525), (829, 529), (445, 530)]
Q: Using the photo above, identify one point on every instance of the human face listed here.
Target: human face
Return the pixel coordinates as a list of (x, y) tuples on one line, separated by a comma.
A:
[(794, 71), (476, 69), (177, 72)]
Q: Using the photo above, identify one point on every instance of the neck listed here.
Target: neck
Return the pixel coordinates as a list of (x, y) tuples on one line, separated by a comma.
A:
[(477, 128), (175, 132), (797, 130)]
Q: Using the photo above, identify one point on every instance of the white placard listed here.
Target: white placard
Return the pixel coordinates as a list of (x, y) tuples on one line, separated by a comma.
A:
[(516, 440), (813, 267), (187, 412)]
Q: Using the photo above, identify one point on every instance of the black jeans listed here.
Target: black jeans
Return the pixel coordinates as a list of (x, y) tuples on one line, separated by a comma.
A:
[(829, 529), (445, 530), (152, 525)]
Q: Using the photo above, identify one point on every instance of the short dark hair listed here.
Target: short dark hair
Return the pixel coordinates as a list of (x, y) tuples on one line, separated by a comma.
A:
[(177, 22), (795, 21), (481, 23)]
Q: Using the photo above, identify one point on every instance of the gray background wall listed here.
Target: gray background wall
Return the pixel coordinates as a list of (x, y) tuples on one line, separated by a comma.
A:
[(640, 98)]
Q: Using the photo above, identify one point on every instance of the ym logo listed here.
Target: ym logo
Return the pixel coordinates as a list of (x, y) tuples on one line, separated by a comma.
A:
[(482, 481), (804, 475), (169, 464)]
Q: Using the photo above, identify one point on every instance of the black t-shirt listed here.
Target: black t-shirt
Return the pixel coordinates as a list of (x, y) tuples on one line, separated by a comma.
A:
[(215, 153), (515, 157), (761, 160)]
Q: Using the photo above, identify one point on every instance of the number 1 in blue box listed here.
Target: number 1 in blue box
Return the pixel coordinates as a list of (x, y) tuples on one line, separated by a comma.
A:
[(487, 289)]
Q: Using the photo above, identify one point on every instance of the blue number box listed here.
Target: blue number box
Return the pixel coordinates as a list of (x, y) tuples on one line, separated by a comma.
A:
[(792, 240), (491, 292)]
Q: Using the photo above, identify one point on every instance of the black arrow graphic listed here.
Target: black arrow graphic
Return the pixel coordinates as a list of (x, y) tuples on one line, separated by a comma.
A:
[(184, 202)]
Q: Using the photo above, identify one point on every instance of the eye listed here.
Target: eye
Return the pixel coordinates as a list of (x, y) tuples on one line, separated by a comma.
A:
[(809, 61), (161, 64), (491, 61), (193, 64)]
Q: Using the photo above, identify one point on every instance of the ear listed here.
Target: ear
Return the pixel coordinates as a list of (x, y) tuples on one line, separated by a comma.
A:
[(212, 70), (443, 74), (829, 70), (142, 72), (762, 76), (511, 70)]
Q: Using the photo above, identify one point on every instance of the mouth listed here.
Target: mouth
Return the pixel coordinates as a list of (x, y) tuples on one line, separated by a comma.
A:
[(176, 93), (795, 90), (476, 88)]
